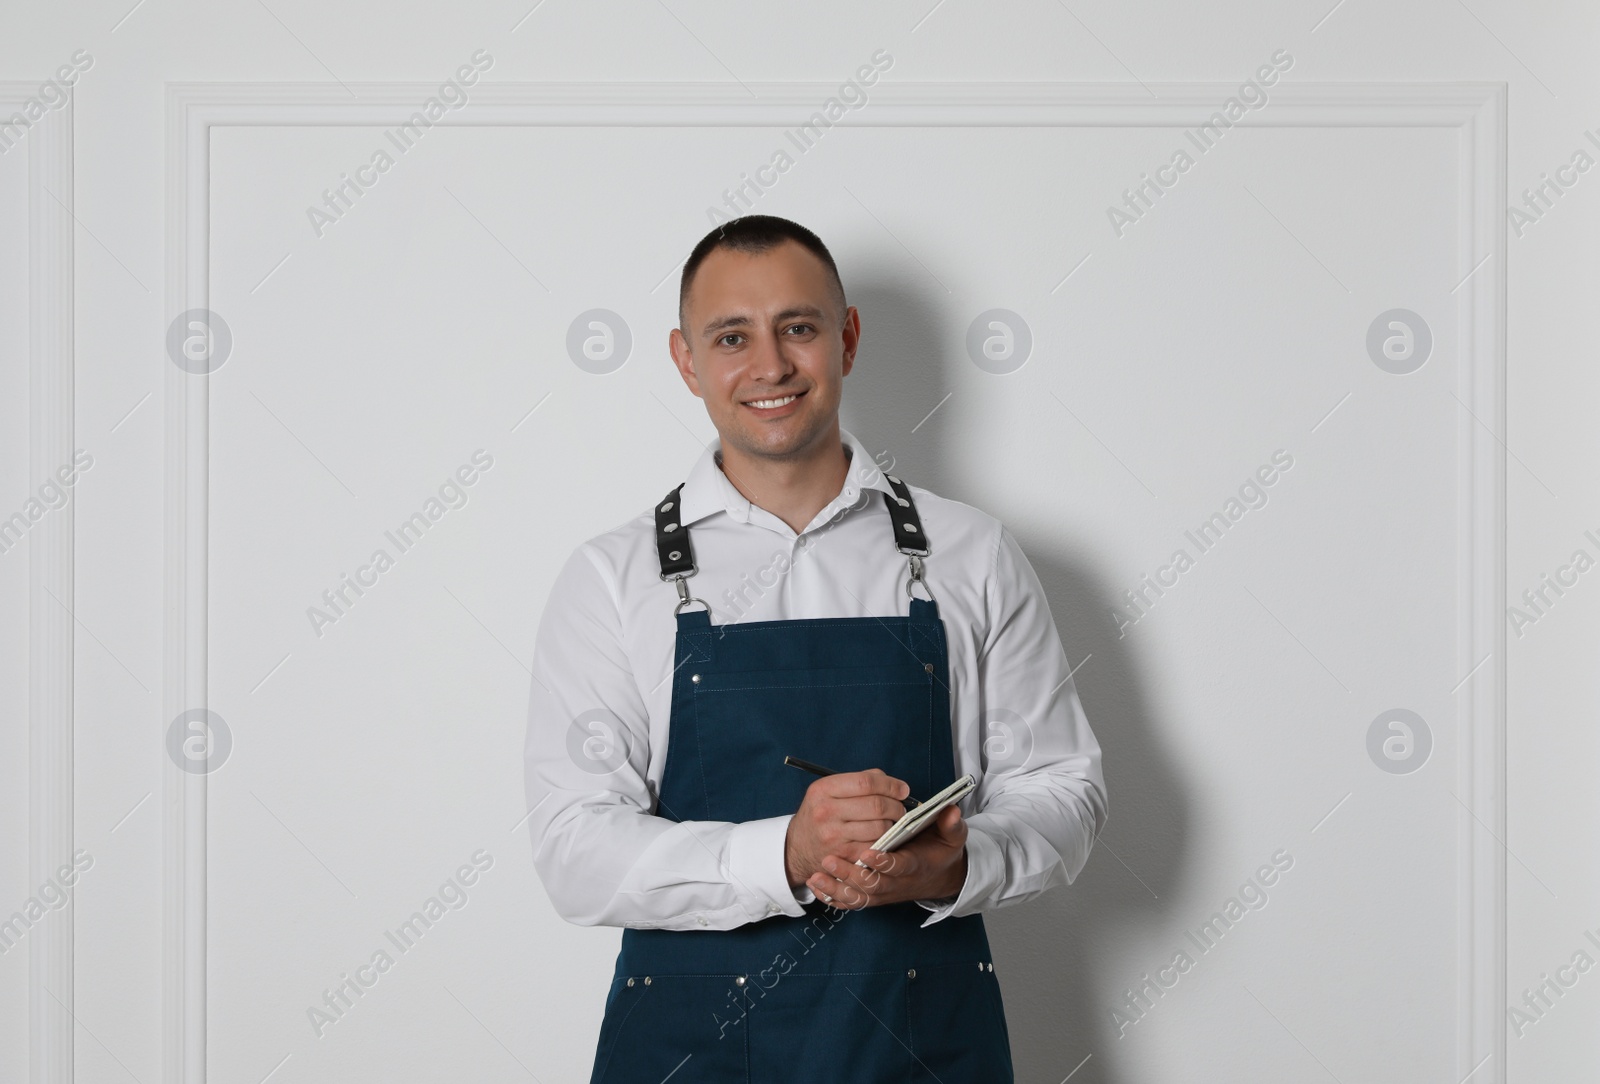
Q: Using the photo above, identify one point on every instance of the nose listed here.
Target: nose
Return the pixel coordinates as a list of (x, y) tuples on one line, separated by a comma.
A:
[(767, 360)]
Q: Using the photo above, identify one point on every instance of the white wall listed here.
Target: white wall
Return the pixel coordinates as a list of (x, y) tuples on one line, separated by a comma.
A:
[(373, 760)]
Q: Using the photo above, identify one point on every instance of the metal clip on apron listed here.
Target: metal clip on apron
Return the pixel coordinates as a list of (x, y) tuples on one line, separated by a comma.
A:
[(868, 995)]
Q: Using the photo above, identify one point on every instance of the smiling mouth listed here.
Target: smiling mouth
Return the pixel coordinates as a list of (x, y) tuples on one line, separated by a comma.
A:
[(773, 404)]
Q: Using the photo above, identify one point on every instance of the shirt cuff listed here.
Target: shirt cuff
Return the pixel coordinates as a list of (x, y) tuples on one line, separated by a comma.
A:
[(985, 864), (756, 862)]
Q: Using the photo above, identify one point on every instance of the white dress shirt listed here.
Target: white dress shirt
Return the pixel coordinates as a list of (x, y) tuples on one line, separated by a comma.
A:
[(602, 695)]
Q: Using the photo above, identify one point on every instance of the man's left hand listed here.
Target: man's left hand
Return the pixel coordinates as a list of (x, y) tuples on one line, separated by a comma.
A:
[(931, 866)]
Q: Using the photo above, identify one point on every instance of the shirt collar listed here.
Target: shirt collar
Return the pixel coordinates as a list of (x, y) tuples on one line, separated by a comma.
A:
[(707, 490)]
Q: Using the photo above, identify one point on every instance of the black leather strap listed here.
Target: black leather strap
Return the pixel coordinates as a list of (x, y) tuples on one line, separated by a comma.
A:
[(672, 537), (908, 536), (676, 555)]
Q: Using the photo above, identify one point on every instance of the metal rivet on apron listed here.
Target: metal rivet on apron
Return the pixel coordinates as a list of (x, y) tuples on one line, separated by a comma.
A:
[(893, 479), (671, 527), (674, 555), (928, 666), (991, 968), (667, 507), (980, 965), (647, 980), (695, 678), (912, 973), (910, 527), (903, 502), (739, 981), (630, 981)]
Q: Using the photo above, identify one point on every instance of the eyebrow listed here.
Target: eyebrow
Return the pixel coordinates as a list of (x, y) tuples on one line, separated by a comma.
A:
[(738, 319)]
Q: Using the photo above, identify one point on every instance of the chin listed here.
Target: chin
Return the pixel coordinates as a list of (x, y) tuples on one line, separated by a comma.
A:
[(796, 433)]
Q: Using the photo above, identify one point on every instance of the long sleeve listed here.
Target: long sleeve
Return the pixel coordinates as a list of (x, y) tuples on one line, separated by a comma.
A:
[(1041, 798), (603, 856)]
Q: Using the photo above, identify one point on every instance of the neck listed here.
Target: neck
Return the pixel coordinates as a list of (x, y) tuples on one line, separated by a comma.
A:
[(794, 488)]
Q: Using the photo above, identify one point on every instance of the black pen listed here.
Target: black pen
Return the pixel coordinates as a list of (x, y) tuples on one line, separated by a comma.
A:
[(817, 769)]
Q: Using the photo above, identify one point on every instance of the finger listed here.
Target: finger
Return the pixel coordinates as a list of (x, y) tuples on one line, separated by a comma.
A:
[(884, 863), (836, 892), (869, 880), (860, 784), (876, 884), (869, 807), (873, 882), (883, 783)]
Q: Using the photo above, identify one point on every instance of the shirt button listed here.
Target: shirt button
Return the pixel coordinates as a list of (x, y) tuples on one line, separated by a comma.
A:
[(701, 919), (739, 981), (772, 909)]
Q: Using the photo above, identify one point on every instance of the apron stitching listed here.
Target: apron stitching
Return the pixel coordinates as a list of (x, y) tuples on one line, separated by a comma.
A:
[(618, 1034), (809, 685), (911, 1032), (813, 621), (699, 757), (667, 760)]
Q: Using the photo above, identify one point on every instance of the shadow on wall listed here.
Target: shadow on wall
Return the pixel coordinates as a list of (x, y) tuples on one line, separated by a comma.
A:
[(1052, 954)]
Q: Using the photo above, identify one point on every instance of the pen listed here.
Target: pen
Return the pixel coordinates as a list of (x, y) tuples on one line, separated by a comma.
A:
[(817, 769), (814, 769)]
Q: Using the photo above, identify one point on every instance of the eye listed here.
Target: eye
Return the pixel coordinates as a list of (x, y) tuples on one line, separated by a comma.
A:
[(723, 341), (800, 327)]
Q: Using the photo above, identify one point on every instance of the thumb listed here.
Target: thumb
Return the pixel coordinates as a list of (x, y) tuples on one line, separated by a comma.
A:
[(951, 828)]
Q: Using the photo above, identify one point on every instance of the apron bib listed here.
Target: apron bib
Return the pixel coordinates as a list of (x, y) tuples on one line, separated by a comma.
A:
[(868, 995)]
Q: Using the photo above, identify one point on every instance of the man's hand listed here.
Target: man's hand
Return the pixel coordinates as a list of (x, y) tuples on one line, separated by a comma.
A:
[(933, 865), (841, 814)]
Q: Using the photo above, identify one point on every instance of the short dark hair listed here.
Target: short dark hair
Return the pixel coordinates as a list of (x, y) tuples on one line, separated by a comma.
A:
[(754, 233)]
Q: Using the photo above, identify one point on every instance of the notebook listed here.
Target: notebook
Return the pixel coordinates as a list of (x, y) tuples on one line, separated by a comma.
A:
[(923, 816)]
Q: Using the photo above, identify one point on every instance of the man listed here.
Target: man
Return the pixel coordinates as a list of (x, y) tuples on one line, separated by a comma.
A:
[(859, 623)]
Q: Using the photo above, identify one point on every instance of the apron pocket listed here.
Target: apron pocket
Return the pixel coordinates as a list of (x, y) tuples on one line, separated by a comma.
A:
[(650, 1030), (844, 1027), (958, 1026), (848, 718)]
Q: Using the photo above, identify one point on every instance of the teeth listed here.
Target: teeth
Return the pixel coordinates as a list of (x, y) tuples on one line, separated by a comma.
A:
[(768, 404)]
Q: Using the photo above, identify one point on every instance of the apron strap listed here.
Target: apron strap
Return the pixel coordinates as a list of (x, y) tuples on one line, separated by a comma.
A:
[(672, 537), (676, 555), (673, 549), (908, 536)]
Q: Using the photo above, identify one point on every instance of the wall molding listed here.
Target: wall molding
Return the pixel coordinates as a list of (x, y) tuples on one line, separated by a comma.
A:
[(47, 143), (1476, 111)]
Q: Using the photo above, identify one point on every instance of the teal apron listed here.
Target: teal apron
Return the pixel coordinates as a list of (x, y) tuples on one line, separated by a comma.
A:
[(869, 995)]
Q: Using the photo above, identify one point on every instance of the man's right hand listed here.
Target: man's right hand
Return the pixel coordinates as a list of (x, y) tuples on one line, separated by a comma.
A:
[(841, 814)]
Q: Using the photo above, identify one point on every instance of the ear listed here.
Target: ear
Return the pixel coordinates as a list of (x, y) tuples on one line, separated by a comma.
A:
[(850, 333), (684, 360)]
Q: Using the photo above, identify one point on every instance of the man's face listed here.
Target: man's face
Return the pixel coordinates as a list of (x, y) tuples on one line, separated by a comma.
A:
[(761, 327)]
